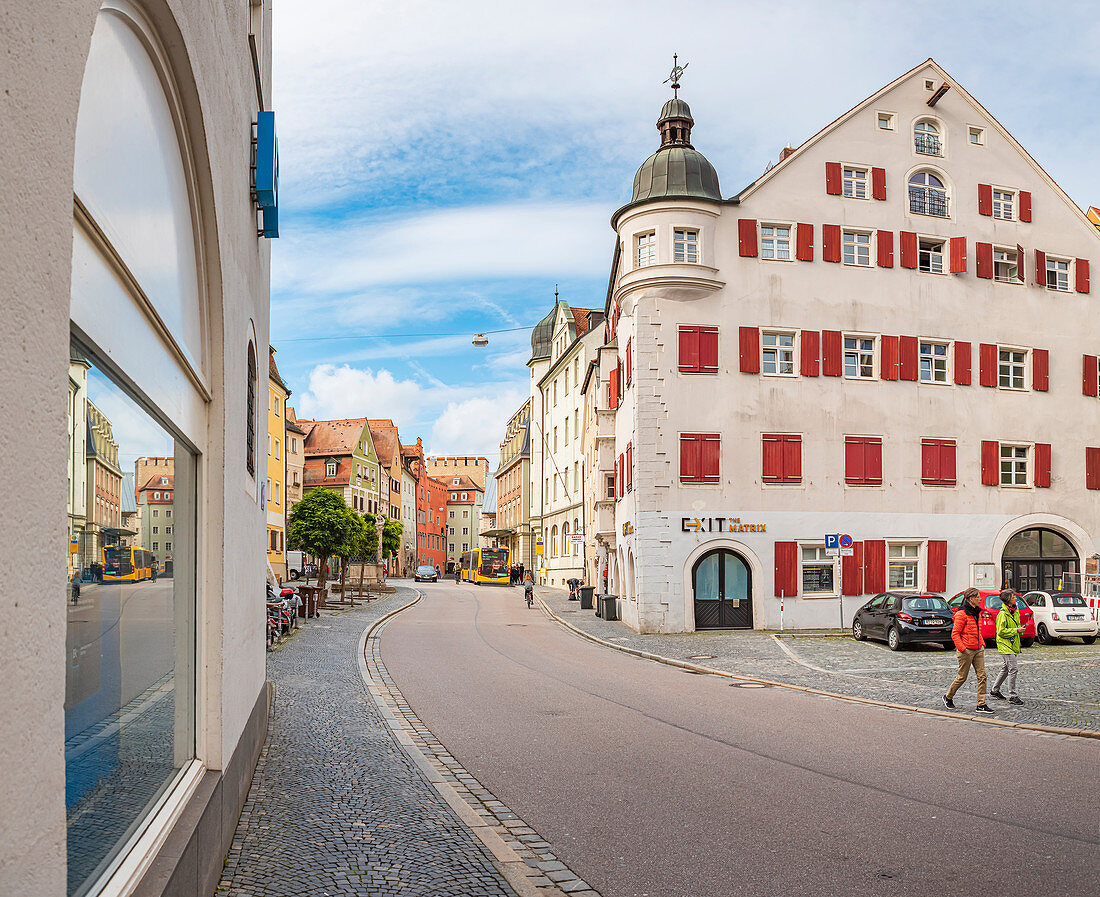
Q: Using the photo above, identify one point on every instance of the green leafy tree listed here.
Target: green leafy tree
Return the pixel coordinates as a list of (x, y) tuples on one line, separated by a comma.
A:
[(320, 525), (368, 546), (391, 538)]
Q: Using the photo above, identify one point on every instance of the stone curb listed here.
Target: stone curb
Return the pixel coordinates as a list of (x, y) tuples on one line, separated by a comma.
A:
[(539, 873), (930, 711)]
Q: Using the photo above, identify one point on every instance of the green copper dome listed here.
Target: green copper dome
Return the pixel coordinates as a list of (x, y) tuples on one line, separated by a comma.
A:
[(675, 108), (542, 336), (676, 171)]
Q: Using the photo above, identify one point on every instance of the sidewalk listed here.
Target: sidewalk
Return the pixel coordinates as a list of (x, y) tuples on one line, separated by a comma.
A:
[(336, 807), (1057, 682)]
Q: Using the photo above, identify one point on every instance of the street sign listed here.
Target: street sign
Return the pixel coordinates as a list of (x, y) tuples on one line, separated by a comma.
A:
[(832, 552), (831, 541), (576, 538), (847, 552), (845, 540)]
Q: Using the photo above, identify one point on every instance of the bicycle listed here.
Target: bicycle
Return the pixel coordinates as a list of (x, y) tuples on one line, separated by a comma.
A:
[(529, 595)]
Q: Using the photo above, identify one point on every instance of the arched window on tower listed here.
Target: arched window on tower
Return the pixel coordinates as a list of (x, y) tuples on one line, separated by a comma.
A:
[(250, 407)]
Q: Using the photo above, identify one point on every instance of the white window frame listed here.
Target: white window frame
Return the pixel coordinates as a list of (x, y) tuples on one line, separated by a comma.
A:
[(854, 178), (939, 135), (930, 194), (922, 242), (819, 561), (1006, 252), (330, 468), (973, 131), (1018, 456), (1003, 203), (890, 117), (779, 351), (861, 353), (850, 241), (1052, 263), (934, 360), (645, 249), (685, 246), (1017, 369), (773, 242), (914, 562)]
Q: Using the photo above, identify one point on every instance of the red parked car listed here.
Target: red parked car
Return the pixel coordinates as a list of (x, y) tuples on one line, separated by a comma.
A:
[(987, 617)]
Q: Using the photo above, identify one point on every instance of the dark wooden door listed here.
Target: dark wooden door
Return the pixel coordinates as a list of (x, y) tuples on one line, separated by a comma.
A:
[(722, 587)]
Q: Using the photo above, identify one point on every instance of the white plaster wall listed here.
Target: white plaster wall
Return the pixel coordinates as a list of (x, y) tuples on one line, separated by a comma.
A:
[(729, 291)]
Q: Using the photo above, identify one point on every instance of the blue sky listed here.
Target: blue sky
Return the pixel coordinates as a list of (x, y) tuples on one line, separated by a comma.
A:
[(443, 165)]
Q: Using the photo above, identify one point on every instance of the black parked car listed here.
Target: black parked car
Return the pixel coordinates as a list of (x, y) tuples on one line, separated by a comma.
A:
[(904, 619)]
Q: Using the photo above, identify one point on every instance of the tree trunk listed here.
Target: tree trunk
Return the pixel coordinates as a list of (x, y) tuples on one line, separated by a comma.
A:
[(322, 572), (362, 570), (343, 576)]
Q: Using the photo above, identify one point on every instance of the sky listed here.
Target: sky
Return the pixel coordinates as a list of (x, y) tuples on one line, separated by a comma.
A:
[(444, 165)]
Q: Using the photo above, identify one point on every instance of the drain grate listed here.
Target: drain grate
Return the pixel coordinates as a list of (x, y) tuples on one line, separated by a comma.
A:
[(749, 685), (701, 657)]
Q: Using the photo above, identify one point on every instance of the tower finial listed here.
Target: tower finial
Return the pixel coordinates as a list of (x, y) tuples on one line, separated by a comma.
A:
[(555, 294), (676, 74)]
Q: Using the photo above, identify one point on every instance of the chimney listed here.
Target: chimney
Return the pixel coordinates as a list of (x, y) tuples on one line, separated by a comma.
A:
[(783, 153)]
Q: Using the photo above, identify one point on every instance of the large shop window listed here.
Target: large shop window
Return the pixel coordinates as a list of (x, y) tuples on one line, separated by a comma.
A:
[(137, 421)]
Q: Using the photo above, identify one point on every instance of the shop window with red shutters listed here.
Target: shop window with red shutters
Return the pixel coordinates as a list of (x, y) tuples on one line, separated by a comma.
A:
[(782, 458), (863, 460), (700, 455)]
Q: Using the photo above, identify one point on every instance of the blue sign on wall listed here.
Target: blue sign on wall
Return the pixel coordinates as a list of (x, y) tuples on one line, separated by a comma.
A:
[(267, 173)]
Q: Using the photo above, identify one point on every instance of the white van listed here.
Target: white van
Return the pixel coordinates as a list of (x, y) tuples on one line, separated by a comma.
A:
[(298, 567)]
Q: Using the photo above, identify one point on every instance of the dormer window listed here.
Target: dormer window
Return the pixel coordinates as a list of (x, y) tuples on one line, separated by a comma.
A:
[(926, 138), (645, 250), (164, 481), (330, 468)]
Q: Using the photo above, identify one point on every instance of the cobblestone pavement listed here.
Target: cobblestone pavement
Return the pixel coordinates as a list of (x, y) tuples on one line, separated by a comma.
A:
[(1058, 683), (336, 806)]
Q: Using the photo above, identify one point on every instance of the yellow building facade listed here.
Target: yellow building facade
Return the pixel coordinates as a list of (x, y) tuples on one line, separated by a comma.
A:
[(275, 485)]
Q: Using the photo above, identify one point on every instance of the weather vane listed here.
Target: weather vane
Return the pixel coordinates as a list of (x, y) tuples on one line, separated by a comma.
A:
[(676, 74)]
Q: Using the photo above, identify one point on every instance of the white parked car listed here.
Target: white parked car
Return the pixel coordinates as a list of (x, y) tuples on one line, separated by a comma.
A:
[(1062, 615)]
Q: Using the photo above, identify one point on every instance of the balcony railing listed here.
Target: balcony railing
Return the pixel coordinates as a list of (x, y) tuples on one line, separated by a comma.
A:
[(923, 201), (927, 144)]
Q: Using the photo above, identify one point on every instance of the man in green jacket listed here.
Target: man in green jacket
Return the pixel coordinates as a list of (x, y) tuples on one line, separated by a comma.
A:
[(1008, 646)]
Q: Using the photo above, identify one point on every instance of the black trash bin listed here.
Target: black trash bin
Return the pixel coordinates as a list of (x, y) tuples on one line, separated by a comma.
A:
[(586, 596), (609, 607)]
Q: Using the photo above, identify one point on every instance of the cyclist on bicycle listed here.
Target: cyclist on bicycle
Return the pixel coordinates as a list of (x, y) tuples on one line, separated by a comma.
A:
[(529, 590)]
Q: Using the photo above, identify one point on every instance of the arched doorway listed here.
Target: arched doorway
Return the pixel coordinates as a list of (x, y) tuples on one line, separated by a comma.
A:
[(721, 584), (1037, 559)]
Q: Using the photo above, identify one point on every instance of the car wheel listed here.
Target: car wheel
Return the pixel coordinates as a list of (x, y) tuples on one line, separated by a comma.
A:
[(857, 631), (1089, 639), (1042, 635), (1027, 642), (294, 575), (893, 639)]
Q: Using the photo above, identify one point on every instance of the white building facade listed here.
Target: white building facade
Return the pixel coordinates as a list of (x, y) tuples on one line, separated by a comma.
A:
[(888, 335), (562, 345)]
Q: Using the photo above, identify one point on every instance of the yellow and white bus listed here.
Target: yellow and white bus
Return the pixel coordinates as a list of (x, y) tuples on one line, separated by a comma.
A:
[(486, 565)]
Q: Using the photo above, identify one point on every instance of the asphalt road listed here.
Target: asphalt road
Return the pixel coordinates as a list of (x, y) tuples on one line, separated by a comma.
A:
[(648, 780)]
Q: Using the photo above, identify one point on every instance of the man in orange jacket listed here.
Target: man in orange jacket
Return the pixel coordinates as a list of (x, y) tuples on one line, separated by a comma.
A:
[(967, 637)]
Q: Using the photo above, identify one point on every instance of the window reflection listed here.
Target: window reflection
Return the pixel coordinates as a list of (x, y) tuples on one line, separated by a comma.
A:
[(129, 685)]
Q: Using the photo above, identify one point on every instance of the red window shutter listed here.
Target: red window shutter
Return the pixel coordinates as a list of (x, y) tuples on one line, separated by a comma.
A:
[(958, 255), (711, 458), (1081, 269), (708, 350), (830, 242), (750, 349), (984, 252), (851, 571), (948, 476), (1021, 261), (1042, 465), (872, 461), (629, 467), (792, 459), (889, 360), (786, 569), (746, 237), (907, 366), (1089, 376), (1092, 468), (618, 381), (985, 199), (811, 340), (874, 569), (1025, 205), (613, 391), (832, 353), (1040, 370), (937, 565), (629, 366), (908, 242), (689, 357), (930, 462), (853, 460), (863, 460), (962, 364), (804, 242), (773, 459), (886, 249), (690, 458), (1040, 268), (990, 463), (987, 364), (621, 468), (878, 183), (832, 178)]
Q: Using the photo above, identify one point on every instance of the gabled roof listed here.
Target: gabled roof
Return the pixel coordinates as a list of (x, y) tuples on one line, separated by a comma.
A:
[(334, 437), (489, 502), (1093, 215), (273, 370), (386, 440), (465, 484), (149, 484), (314, 472), (871, 100)]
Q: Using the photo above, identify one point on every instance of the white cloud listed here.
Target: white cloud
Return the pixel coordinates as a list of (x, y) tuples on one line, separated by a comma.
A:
[(475, 426), (344, 392)]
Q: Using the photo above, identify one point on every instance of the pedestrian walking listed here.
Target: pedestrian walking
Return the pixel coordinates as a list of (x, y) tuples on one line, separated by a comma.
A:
[(1008, 646), (967, 637)]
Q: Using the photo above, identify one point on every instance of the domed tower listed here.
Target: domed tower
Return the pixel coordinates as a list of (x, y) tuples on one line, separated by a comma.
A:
[(677, 170)]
